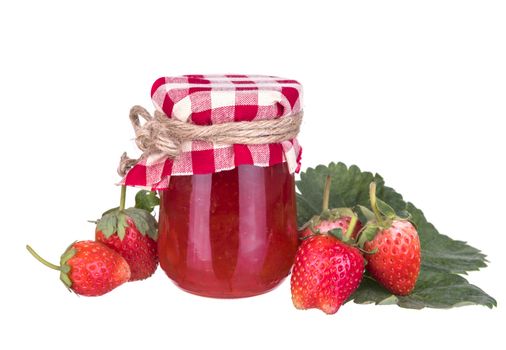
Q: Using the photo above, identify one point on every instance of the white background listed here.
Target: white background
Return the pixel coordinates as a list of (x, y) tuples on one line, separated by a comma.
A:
[(412, 90)]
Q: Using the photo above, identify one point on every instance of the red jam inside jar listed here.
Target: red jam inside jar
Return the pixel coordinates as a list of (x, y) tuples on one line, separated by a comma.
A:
[(230, 234)]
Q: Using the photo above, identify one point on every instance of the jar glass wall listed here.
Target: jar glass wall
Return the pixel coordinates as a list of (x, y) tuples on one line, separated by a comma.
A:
[(229, 234)]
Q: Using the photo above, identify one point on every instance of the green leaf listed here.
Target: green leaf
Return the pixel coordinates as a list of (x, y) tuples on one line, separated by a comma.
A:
[(442, 253), (67, 254), (338, 233), (116, 221), (112, 210), (146, 200), (350, 187), (385, 209), (371, 292), (365, 214), (368, 234), (122, 225), (443, 258), (108, 223), (434, 289), (345, 212), (404, 215), (144, 221), (138, 219), (65, 279)]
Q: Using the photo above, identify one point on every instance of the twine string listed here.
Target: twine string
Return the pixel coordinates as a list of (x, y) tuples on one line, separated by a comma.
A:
[(160, 134)]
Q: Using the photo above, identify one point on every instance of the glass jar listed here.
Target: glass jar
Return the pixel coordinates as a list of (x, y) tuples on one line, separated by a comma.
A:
[(229, 234)]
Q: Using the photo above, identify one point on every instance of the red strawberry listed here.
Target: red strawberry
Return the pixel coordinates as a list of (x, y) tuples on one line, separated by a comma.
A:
[(342, 222), (327, 270), (331, 219), (395, 247), (131, 232), (90, 268), (397, 262)]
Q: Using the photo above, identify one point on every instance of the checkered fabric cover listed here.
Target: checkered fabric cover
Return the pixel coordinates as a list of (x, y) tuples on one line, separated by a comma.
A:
[(214, 99)]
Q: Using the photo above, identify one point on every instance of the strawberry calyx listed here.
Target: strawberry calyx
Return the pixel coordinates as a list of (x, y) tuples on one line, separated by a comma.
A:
[(64, 267), (345, 237), (116, 220), (330, 215), (381, 217), (333, 214)]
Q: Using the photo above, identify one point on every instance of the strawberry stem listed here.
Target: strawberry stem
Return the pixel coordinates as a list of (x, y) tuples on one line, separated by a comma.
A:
[(326, 193), (374, 205), (351, 227), (39, 258), (122, 198)]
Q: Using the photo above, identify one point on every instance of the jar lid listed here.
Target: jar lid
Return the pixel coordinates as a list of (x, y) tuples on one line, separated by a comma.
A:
[(217, 99), (214, 99)]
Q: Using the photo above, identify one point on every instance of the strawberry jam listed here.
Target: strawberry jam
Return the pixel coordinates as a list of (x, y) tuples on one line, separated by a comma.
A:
[(229, 234)]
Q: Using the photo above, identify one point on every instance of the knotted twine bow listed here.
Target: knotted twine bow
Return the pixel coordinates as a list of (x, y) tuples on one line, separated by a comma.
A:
[(161, 134)]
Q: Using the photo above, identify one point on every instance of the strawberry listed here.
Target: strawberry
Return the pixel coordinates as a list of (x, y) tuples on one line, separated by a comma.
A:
[(132, 233), (325, 274), (327, 270), (89, 268), (395, 247), (341, 221), (330, 219)]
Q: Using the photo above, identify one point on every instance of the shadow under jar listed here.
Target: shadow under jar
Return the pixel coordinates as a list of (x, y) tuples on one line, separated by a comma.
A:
[(229, 234)]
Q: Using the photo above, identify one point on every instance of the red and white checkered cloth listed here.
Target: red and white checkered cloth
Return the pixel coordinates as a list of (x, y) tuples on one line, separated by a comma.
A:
[(215, 99)]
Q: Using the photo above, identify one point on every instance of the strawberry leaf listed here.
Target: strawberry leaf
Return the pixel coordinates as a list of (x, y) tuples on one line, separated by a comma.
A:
[(108, 223), (368, 233), (64, 267), (385, 209), (404, 215), (434, 289), (122, 224), (442, 253), (110, 211), (146, 200), (144, 221), (439, 285), (116, 221), (365, 214), (338, 233), (64, 277)]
